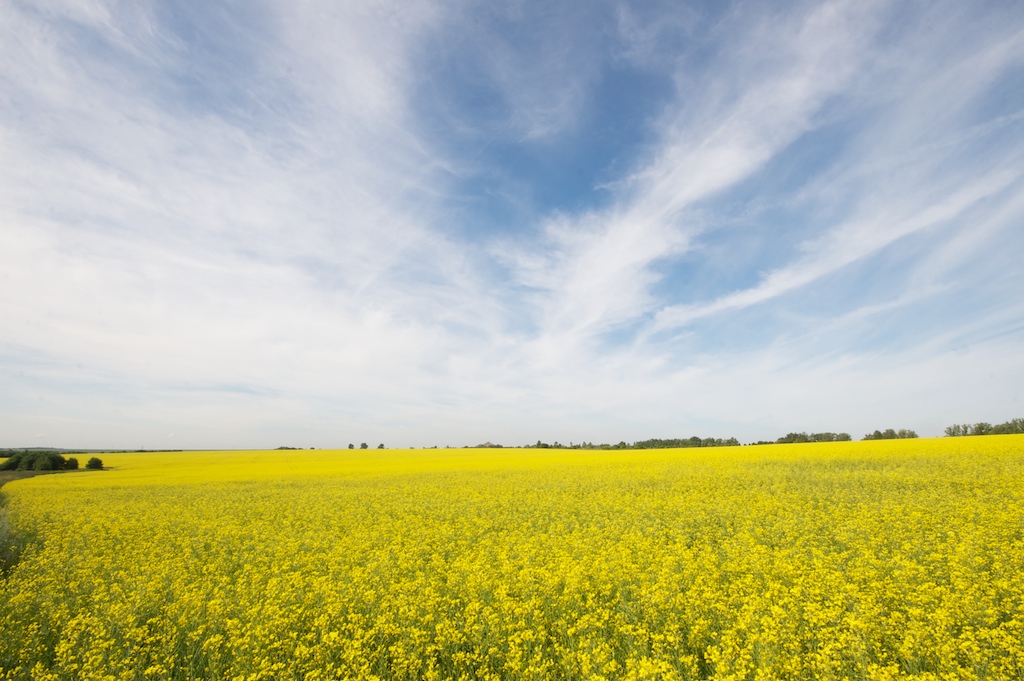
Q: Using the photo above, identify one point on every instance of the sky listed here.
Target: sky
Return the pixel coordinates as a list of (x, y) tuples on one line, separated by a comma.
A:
[(311, 223)]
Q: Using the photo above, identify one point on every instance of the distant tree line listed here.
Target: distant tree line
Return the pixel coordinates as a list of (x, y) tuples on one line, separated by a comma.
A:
[(674, 443), (790, 438), (11, 451), (46, 461), (1011, 427), (814, 437), (689, 442), (890, 434)]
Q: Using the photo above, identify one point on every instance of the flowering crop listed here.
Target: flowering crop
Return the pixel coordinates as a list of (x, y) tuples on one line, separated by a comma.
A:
[(862, 560)]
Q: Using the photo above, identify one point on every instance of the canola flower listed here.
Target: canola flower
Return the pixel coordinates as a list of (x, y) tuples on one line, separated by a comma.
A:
[(864, 560)]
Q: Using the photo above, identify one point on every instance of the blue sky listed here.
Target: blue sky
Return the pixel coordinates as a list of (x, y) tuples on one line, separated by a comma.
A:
[(424, 223)]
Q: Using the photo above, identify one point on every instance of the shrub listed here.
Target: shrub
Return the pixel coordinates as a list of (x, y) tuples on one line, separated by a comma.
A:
[(94, 464), (34, 461)]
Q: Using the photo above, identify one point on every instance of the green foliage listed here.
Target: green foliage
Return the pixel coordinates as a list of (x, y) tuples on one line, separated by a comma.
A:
[(34, 461), (890, 434), (363, 445), (71, 464), (689, 442), (831, 437), (794, 437), (1011, 427), (813, 437), (94, 464)]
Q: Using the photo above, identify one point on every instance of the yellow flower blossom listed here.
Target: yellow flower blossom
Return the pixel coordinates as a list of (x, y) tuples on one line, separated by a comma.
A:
[(863, 560)]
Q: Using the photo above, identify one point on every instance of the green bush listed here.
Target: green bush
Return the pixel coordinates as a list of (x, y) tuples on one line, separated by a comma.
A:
[(34, 461), (94, 464)]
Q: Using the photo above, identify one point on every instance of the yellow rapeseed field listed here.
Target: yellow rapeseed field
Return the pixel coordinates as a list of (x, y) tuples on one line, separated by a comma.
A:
[(859, 560)]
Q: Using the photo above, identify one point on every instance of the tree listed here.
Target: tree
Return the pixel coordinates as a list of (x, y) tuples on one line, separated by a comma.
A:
[(364, 446), (94, 464), (351, 446), (981, 429), (380, 446), (829, 437), (1013, 426), (794, 437), (71, 464)]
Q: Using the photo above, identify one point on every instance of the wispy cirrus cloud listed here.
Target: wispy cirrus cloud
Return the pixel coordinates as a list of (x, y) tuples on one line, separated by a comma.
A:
[(598, 271), (844, 245)]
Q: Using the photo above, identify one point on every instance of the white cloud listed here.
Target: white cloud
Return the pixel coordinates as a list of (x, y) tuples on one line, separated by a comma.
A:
[(169, 246)]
